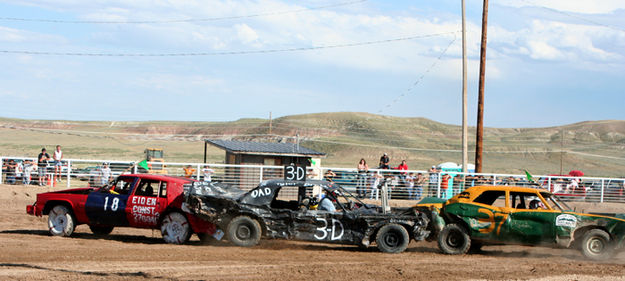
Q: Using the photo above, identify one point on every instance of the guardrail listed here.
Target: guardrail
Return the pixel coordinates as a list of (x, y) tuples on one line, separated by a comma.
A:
[(403, 185)]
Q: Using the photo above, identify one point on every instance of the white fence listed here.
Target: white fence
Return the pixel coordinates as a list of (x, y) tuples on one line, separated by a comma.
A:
[(404, 185)]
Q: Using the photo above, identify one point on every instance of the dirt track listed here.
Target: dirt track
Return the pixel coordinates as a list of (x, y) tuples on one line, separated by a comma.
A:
[(28, 253)]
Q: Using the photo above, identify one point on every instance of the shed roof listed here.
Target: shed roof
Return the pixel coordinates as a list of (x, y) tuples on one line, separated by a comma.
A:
[(248, 147)]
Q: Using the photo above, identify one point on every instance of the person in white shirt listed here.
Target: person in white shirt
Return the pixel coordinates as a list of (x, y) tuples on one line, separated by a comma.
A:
[(207, 173), (19, 170), (28, 169), (58, 156), (105, 173)]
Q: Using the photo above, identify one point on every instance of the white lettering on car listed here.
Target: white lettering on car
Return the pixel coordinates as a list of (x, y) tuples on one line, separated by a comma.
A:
[(144, 210), (335, 230), (261, 192), (566, 220)]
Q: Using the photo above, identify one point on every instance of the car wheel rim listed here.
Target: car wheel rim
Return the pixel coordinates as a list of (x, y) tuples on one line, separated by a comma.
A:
[(58, 222), (596, 245), (454, 239), (244, 232), (175, 228), (391, 239)]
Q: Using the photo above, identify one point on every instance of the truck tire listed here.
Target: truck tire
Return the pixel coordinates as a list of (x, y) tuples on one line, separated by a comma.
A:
[(101, 230), (175, 228), (61, 221), (454, 240), (392, 238), (243, 231), (596, 245)]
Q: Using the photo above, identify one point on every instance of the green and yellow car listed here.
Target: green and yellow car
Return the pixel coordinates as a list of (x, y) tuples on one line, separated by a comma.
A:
[(487, 215)]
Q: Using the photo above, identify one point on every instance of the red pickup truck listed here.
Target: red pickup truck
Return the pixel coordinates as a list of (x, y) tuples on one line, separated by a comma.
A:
[(133, 200)]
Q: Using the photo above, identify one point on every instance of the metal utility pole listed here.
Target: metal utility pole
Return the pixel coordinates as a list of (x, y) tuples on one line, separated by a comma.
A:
[(465, 130), (270, 120), (480, 99)]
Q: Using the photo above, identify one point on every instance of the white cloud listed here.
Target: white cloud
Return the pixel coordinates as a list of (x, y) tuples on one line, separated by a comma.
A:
[(543, 51), (245, 33), (575, 6)]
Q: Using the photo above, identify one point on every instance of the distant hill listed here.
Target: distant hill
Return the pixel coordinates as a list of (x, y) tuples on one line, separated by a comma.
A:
[(595, 147)]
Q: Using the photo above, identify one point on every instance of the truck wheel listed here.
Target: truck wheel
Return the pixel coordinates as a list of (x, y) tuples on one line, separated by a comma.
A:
[(175, 228), (243, 231), (101, 230), (392, 238), (454, 240), (61, 221), (596, 245)]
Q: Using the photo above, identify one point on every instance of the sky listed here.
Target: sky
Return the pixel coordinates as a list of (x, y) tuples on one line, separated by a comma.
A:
[(549, 62)]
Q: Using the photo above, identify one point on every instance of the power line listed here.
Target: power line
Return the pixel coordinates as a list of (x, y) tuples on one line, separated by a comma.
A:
[(420, 78), (249, 52), (618, 28), (182, 20)]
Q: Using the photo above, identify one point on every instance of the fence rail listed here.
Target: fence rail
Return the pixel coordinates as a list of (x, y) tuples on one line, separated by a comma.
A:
[(404, 185)]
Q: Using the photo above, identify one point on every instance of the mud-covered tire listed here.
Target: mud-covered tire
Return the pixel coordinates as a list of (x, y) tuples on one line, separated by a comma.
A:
[(61, 221), (101, 230), (596, 245), (175, 228), (392, 238), (243, 231), (454, 240)]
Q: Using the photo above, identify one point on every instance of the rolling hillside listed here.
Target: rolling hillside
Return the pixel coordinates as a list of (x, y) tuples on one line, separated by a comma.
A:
[(595, 147)]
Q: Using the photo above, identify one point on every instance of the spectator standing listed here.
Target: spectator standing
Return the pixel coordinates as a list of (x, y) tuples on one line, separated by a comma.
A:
[(444, 185), (384, 162), (207, 173), (58, 156), (19, 171), (458, 184), (28, 169), (375, 186), (433, 181), (329, 175), (419, 183), (11, 172), (188, 171), (402, 175), (410, 180), (363, 169), (105, 174), (42, 164)]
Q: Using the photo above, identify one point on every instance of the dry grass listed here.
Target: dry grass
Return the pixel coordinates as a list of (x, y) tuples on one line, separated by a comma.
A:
[(345, 137)]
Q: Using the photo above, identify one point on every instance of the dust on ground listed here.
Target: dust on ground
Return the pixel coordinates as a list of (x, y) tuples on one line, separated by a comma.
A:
[(27, 252)]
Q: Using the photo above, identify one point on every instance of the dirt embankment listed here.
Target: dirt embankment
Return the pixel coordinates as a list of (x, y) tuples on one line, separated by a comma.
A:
[(27, 252)]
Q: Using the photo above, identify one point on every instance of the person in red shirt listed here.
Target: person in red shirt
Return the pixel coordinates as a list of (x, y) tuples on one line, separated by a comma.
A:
[(445, 184), (402, 167), (402, 175)]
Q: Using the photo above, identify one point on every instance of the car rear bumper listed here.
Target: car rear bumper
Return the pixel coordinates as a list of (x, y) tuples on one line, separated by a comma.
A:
[(32, 210)]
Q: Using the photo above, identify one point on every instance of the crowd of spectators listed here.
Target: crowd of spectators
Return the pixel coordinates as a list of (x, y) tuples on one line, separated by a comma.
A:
[(39, 171)]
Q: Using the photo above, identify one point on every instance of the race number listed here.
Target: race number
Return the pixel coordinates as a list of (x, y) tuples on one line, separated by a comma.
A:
[(293, 172), (491, 221), (334, 231), (114, 205)]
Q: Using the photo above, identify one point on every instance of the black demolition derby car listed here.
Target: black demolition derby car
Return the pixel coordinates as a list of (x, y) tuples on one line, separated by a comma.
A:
[(287, 209)]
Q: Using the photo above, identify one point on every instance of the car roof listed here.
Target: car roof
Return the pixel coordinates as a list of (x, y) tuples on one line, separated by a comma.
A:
[(281, 183), (160, 177), (511, 188)]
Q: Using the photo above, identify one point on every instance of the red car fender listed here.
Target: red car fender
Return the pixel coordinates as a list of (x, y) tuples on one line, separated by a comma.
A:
[(201, 226)]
